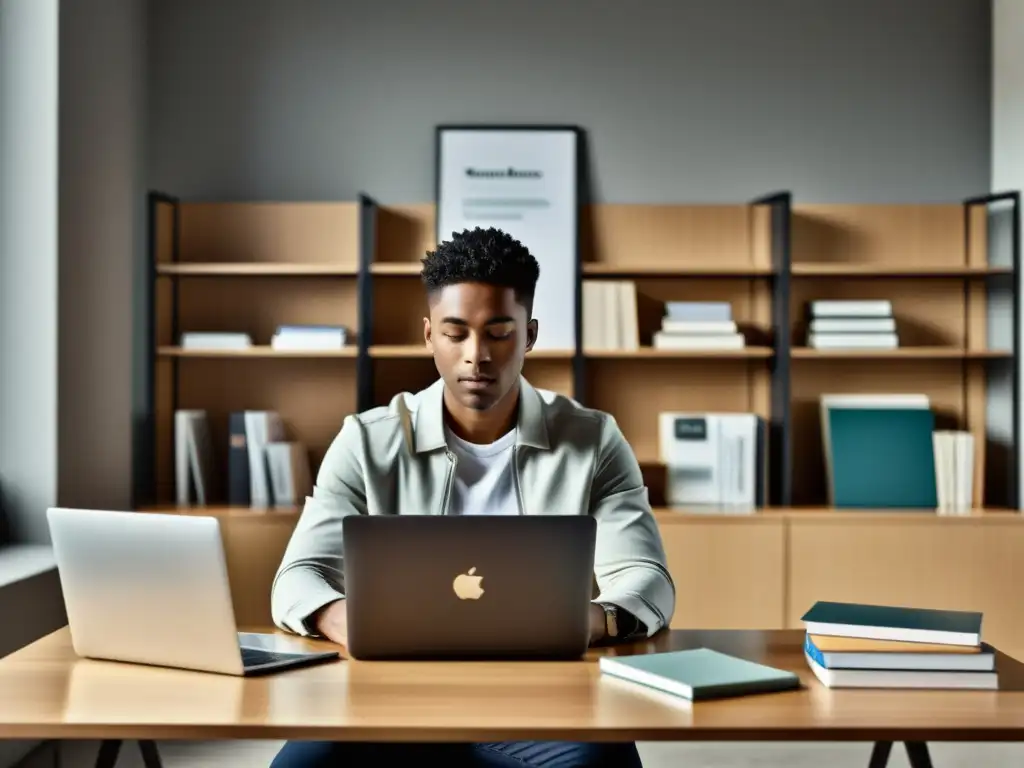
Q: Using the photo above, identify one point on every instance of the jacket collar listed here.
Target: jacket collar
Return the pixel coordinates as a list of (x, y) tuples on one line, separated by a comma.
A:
[(532, 429)]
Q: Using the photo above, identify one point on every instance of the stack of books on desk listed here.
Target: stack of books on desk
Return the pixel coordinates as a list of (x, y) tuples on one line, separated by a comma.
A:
[(851, 645)]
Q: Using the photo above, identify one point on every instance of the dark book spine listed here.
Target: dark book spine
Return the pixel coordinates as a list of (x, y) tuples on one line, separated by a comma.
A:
[(239, 489), (760, 475)]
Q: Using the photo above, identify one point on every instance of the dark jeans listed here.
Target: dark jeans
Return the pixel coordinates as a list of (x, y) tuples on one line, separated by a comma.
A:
[(506, 754)]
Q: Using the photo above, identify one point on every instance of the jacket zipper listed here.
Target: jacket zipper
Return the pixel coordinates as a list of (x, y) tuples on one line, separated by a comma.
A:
[(515, 477), (452, 461)]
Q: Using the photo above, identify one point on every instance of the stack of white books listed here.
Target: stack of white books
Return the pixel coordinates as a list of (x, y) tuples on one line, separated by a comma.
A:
[(698, 325), (954, 471), (291, 337), (851, 324)]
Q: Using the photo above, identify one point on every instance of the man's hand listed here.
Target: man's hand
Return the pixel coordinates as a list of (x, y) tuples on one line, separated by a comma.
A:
[(332, 622), (598, 624)]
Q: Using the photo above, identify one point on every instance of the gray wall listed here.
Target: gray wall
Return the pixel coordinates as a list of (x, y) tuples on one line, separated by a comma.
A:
[(102, 228), (683, 99)]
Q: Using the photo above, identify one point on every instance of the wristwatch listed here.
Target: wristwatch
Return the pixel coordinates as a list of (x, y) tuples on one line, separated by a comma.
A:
[(618, 624), (611, 620)]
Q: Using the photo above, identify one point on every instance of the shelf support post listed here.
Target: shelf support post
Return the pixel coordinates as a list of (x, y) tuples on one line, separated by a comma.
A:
[(780, 462), (364, 295)]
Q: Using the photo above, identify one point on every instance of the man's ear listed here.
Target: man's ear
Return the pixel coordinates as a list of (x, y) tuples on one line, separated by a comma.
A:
[(531, 334), (426, 334)]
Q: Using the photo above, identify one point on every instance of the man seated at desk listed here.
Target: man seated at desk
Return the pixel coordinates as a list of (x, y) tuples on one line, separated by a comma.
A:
[(480, 287)]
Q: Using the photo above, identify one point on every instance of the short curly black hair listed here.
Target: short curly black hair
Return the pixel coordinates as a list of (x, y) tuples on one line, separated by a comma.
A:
[(489, 256)]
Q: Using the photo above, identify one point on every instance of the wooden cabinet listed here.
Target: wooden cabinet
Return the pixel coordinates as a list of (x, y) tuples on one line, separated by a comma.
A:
[(765, 570), (254, 543), (759, 571), (729, 572), (974, 564)]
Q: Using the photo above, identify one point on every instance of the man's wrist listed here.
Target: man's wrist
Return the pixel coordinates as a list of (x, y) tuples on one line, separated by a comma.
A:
[(313, 621), (620, 624)]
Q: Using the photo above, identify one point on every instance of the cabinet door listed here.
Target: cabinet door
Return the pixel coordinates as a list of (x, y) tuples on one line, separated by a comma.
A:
[(253, 548), (729, 571), (974, 564)]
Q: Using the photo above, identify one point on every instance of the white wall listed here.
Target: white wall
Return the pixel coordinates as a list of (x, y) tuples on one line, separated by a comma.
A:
[(28, 289), (1008, 106)]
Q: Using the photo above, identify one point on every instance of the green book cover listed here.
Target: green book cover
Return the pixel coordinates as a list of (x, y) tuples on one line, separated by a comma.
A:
[(893, 622), (882, 457), (699, 673)]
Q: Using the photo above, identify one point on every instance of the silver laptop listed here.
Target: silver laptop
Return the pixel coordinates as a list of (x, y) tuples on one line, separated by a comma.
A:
[(153, 589), (432, 587)]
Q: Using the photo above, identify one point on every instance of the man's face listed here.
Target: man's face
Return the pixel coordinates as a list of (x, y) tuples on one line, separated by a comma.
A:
[(479, 335)]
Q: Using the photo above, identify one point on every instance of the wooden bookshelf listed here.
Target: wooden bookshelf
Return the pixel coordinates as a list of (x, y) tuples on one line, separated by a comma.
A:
[(253, 266), (932, 262), (248, 267)]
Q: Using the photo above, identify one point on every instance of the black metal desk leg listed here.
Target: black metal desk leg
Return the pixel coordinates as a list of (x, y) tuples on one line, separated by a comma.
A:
[(109, 750), (150, 756), (880, 754), (917, 754)]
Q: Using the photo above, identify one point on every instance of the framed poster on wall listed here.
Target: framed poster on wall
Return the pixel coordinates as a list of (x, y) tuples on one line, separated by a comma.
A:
[(523, 180)]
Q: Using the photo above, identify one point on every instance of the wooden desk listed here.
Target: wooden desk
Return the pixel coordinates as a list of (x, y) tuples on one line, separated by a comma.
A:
[(46, 692)]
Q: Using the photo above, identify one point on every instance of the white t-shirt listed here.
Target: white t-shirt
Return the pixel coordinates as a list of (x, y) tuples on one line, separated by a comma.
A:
[(484, 483)]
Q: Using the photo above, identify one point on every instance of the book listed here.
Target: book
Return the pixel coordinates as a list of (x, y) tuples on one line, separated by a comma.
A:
[(291, 479), (843, 644), (839, 653), (890, 622), (852, 325), (699, 673), (667, 340), (699, 311), (610, 315), (954, 471), (193, 457), (879, 451), (848, 308), (830, 340), (310, 337), (213, 340), (902, 678)]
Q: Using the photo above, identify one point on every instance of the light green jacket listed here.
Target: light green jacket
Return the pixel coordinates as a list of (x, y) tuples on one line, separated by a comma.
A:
[(393, 459)]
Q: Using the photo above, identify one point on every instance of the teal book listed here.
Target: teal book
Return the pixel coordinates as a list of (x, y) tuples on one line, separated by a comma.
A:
[(893, 622), (699, 673), (882, 457)]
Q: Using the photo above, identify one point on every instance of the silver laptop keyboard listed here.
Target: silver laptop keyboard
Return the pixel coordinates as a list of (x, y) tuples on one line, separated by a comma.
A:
[(255, 657)]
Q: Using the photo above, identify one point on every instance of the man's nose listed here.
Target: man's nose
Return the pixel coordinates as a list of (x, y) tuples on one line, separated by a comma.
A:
[(477, 350)]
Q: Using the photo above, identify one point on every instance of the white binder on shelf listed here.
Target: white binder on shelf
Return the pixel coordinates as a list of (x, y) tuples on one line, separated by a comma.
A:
[(713, 461)]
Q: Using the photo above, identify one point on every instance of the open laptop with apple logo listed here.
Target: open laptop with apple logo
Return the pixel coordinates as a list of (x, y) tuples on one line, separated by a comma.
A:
[(468, 587)]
